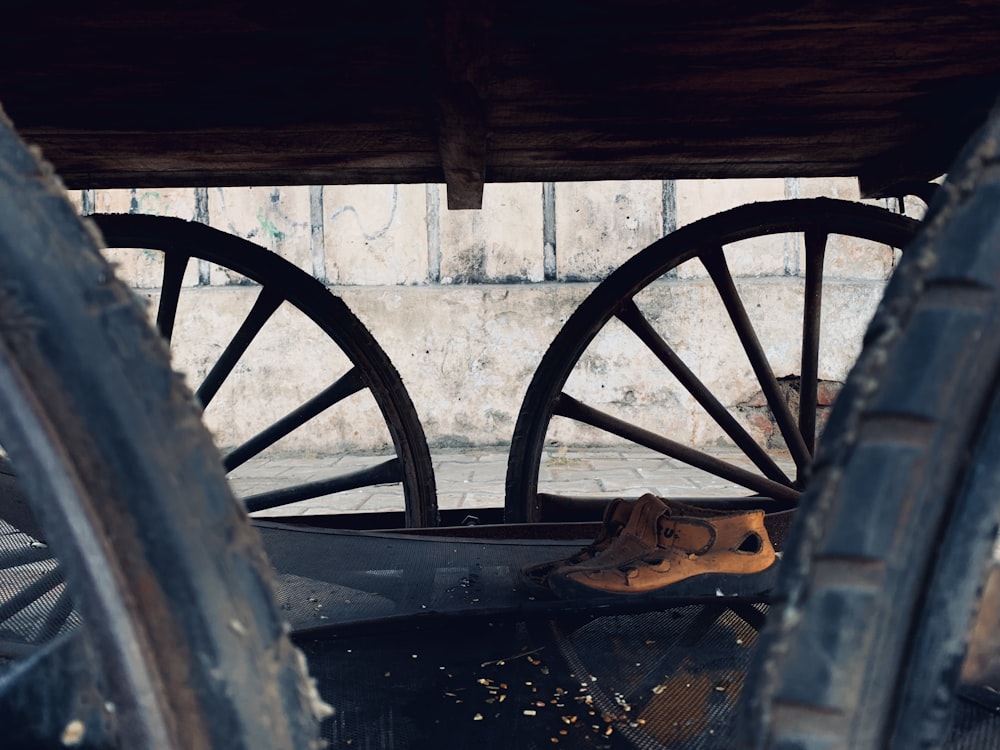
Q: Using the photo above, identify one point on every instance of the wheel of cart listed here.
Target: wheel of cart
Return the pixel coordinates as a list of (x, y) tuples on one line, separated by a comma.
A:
[(617, 369), (181, 644), (544, 685), (353, 383), (888, 559)]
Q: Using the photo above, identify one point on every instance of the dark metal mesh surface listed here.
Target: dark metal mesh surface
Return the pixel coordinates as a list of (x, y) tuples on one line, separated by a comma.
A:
[(670, 678), (433, 643), (467, 684), (34, 606), (974, 727), (334, 578), (425, 642), (652, 680)]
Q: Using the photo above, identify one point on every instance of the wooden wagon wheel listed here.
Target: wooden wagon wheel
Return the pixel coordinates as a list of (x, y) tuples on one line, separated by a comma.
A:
[(629, 299), (885, 568), (183, 644), (366, 373)]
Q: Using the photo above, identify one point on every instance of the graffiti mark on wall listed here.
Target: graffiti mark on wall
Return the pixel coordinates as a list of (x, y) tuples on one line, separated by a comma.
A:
[(378, 233), (268, 228)]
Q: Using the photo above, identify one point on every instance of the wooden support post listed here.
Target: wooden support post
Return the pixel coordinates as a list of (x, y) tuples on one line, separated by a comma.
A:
[(459, 41)]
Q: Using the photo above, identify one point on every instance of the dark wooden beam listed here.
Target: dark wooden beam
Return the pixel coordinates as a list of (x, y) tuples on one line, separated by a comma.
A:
[(934, 126), (459, 34), (464, 91)]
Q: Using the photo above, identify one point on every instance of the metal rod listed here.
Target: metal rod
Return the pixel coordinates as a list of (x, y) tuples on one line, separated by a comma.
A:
[(24, 556), (30, 594), (632, 317), (174, 266), (59, 614), (811, 314), (389, 472), (569, 407), (263, 308), (349, 384), (715, 262)]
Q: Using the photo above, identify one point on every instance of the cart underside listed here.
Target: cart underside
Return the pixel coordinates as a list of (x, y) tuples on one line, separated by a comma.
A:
[(234, 93), (429, 638)]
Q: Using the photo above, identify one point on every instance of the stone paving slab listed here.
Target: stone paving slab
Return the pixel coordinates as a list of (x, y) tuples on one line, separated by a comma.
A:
[(474, 478)]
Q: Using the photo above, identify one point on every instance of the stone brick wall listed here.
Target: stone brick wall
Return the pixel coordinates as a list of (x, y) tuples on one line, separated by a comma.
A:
[(466, 302)]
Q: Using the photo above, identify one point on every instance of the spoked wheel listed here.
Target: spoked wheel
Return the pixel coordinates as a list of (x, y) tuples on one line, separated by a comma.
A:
[(590, 385), (182, 645), (348, 389), (886, 564)]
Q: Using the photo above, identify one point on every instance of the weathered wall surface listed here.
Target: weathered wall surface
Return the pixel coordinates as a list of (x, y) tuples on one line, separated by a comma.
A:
[(466, 303)]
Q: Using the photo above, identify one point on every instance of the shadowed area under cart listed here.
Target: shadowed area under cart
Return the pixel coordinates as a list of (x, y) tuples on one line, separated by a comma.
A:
[(433, 641)]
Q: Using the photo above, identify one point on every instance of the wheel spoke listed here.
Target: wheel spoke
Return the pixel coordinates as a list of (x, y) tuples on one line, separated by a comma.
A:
[(389, 472), (632, 317), (349, 384), (263, 308), (50, 626), (24, 556), (569, 407), (30, 594), (174, 265), (809, 378), (59, 613), (715, 263)]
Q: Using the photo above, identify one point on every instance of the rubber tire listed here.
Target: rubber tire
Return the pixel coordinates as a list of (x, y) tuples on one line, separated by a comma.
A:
[(887, 559), (326, 310), (172, 582)]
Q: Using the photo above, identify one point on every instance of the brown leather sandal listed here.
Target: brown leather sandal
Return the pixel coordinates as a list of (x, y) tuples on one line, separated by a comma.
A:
[(616, 517), (665, 555)]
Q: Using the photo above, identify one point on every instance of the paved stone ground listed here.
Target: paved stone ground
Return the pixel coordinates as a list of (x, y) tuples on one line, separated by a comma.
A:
[(474, 478)]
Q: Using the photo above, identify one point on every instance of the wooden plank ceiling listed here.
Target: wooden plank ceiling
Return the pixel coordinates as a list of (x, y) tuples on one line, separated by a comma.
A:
[(242, 92)]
